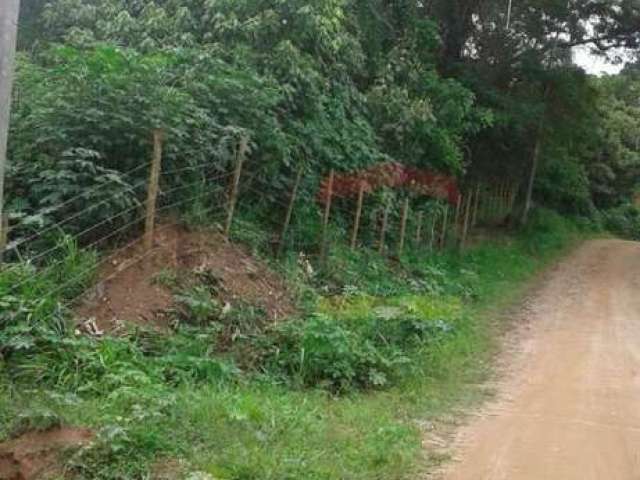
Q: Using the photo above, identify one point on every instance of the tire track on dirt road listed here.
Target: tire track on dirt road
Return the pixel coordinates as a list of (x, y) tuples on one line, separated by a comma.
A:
[(568, 406)]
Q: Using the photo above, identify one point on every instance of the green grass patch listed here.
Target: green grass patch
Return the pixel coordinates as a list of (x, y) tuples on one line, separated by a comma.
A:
[(338, 393)]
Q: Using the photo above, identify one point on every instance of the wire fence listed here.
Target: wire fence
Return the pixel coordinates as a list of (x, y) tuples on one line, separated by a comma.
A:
[(371, 221)]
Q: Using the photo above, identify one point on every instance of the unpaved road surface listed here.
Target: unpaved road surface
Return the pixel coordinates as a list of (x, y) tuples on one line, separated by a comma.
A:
[(569, 405)]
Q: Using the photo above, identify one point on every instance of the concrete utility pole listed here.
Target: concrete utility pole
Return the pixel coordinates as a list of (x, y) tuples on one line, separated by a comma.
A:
[(8, 34)]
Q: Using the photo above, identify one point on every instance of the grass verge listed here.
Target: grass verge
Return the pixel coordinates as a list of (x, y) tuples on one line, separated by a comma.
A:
[(342, 393)]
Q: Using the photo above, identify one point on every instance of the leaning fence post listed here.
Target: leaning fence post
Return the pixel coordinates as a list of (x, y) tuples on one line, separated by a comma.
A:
[(287, 218), (241, 154), (152, 190), (326, 216), (465, 227), (403, 226), (356, 222), (383, 229)]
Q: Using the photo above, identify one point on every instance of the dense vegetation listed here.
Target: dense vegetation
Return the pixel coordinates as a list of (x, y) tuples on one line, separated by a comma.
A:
[(340, 393), (325, 84), (376, 344)]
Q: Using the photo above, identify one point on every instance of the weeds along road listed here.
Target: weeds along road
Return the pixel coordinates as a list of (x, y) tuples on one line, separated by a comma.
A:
[(569, 405)]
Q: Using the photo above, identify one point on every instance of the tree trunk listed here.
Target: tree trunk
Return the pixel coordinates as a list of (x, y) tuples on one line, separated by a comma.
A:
[(535, 161)]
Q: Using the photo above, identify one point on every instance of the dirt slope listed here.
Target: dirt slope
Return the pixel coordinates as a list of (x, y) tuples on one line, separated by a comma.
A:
[(38, 455), (129, 290), (569, 405)]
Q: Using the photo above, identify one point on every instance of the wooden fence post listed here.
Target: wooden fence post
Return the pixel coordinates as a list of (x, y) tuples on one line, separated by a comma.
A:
[(432, 238), (326, 216), (241, 154), (445, 220), (456, 220), (476, 207), (403, 226), (383, 229), (356, 222), (152, 189), (287, 218), (486, 211), (465, 227), (419, 228)]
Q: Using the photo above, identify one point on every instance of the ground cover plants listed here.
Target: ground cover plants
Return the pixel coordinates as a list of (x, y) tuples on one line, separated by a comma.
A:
[(337, 392)]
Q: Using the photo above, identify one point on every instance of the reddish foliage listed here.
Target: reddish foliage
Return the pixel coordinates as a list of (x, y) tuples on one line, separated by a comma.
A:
[(392, 175)]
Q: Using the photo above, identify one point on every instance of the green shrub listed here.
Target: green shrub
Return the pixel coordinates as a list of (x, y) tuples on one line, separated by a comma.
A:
[(343, 354), (547, 231), (624, 221), (321, 352)]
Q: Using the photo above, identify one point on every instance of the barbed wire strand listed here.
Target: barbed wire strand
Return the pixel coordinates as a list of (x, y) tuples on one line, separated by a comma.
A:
[(190, 167), (19, 243), (109, 258), (95, 188), (119, 230), (163, 208), (198, 182), (76, 236), (59, 224), (92, 227)]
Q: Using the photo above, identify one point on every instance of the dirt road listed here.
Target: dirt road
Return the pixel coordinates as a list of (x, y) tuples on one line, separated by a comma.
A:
[(569, 405)]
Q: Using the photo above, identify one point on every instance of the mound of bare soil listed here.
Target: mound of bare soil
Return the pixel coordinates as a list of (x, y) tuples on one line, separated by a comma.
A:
[(129, 290), (37, 455)]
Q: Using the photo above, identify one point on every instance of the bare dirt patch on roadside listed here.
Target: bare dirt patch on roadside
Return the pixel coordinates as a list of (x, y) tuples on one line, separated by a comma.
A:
[(568, 395), (129, 290), (38, 455)]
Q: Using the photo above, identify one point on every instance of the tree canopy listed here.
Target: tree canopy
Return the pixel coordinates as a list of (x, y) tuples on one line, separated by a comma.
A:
[(451, 85)]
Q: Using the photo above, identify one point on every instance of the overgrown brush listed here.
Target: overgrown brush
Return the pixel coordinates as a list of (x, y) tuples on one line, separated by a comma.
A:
[(333, 393)]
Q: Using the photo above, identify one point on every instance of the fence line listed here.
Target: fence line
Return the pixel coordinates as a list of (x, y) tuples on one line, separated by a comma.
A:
[(114, 233), (95, 225), (478, 204), (61, 223), (167, 192), (114, 254)]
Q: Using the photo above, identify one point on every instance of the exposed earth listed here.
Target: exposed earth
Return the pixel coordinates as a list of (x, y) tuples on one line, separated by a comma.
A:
[(568, 406), (130, 287), (38, 455)]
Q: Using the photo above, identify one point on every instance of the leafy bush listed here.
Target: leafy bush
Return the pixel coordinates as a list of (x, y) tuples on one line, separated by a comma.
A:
[(547, 231), (623, 221), (340, 354), (321, 352), (74, 194)]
